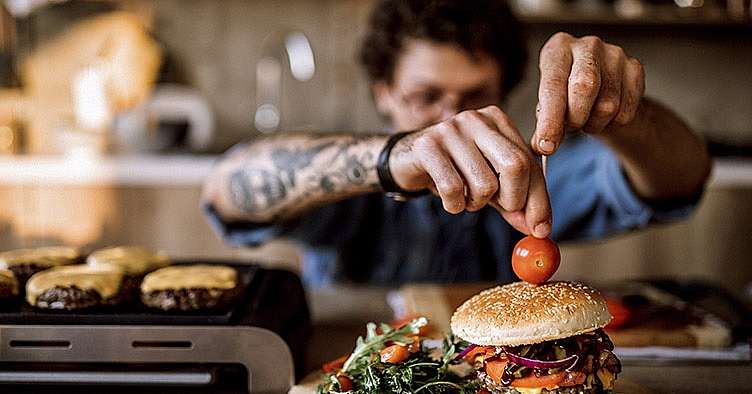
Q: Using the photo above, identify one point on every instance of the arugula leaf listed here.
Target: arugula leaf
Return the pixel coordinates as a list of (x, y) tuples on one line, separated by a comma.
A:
[(375, 342), (423, 372)]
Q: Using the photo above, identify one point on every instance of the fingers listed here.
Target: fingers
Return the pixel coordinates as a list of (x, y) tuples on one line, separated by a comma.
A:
[(479, 154), (515, 219), (555, 66), (608, 102), (633, 89), (447, 181), (506, 152), (501, 122), (523, 199), (480, 180), (584, 81), (538, 207), (585, 84), (535, 218)]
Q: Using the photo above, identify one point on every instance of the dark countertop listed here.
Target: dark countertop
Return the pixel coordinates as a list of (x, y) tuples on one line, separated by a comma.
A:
[(341, 313)]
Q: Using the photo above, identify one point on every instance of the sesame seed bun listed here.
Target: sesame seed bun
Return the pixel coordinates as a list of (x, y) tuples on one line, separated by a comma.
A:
[(521, 313)]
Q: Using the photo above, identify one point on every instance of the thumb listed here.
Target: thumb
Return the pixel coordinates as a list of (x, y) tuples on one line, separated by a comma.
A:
[(515, 219)]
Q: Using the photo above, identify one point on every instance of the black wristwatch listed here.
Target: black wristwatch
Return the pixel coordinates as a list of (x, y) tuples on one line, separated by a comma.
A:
[(388, 184)]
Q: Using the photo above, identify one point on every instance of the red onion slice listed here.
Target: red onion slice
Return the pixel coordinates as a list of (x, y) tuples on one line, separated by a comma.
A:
[(465, 352), (566, 363)]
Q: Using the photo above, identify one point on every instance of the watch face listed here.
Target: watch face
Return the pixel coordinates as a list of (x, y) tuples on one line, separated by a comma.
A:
[(401, 197), (397, 196)]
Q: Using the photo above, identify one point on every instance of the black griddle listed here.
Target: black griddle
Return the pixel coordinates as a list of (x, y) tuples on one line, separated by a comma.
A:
[(272, 299), (261, 289), (133, 311)]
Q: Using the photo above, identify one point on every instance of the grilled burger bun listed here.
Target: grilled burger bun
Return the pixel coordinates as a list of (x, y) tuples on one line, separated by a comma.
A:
[(521, 313), (547, 338)]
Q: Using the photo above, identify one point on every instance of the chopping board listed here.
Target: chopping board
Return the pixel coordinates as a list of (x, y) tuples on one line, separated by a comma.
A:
[(438, 302), (309, 384)]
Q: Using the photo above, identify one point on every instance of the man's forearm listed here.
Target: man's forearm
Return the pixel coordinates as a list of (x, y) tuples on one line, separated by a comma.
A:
[(660, 155), (280, 177)]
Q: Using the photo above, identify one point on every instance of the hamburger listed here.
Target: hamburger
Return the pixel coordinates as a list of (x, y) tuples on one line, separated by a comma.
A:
[(538, 339), (75, 287), (191, 287)]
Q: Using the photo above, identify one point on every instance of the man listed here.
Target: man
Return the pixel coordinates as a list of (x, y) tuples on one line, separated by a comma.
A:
[(440, 68)]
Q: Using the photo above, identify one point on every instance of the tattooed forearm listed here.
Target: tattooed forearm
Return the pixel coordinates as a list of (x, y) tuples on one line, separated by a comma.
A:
[(279, 178)]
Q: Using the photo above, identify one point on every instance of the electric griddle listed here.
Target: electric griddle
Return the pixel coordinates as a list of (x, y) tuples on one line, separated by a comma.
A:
[(253, 346)]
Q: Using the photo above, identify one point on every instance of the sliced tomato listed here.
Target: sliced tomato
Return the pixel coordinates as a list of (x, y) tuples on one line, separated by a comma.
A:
[(345, 383), (544, 381), (495, 369), (394, 354), (334, 364)]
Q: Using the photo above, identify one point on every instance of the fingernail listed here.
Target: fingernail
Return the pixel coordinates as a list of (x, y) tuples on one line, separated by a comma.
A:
[(546, 146), (542, 229)]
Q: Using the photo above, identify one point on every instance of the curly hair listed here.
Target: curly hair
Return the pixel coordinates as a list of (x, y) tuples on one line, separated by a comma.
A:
[(481, 27)]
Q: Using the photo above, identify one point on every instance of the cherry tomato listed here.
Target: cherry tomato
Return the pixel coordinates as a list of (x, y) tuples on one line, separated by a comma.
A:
[(394, 354), (345, 383), (535, 260), (619, 311), (495, 369), (334, 364)]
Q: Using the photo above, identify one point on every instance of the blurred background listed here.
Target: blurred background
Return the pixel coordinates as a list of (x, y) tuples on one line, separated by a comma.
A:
[(112, 112)]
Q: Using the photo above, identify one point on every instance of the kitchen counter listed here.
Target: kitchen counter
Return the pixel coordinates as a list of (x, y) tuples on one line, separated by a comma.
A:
[(338, 323), (126, 170), (190, 170)]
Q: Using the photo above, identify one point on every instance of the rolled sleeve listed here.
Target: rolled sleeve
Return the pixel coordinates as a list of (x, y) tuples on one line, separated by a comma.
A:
[(628, 209), (320, 234), (632, 210), (328, 226), (591, 196), (240, 233)]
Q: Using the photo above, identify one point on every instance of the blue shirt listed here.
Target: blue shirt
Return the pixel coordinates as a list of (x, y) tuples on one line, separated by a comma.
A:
[(373, 239)]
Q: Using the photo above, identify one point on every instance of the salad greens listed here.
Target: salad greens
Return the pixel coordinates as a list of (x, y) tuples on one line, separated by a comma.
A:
[(424, 371)]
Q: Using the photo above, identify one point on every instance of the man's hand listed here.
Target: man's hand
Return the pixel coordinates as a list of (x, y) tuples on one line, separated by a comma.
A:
[(585, 84), (474, 158)]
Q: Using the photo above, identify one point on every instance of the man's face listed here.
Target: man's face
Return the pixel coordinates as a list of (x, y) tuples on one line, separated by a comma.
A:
[(435, 81)]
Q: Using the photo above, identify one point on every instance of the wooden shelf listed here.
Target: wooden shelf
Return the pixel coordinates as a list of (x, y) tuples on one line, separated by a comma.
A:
[(673, 19)]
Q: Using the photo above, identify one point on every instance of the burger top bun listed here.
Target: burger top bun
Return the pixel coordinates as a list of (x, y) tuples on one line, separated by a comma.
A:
[(521, 313)]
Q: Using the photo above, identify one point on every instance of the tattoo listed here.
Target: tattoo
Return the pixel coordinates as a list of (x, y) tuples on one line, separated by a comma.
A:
[(288, 160), (276, 180), (253, 189)]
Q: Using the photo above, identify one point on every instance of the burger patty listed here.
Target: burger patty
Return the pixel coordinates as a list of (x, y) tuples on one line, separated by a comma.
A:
[(6, 291), (69, 298), (190, 299), (496, 388)]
